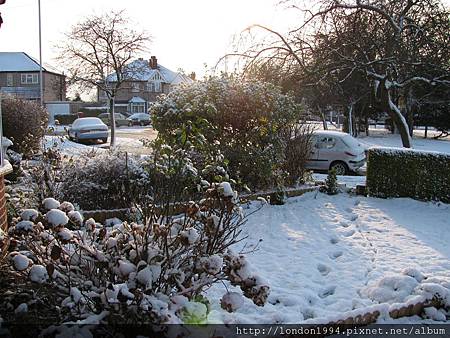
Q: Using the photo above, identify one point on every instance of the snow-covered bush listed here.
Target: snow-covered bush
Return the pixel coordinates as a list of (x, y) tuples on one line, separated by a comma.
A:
[(102, 181), (154, 272), (24, 123), (331, 183), (252, 125), (421, 175)]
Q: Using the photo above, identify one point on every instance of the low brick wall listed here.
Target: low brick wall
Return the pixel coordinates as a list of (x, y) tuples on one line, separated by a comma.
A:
[(102, 215)]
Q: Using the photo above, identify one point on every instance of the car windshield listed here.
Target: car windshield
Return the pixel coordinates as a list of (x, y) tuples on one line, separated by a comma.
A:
[(351, 142), (86, 121)]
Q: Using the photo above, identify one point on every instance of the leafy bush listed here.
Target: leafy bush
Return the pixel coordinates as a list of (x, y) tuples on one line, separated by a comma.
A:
[(408, 173), (24, 122), (250, 124), (130, 273), (102, 180)]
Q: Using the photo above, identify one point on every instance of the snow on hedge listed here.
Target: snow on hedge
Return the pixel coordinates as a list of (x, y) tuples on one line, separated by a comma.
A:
[(397, 172)]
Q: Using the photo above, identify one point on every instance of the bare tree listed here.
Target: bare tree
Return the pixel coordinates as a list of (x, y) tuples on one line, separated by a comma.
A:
[(97, 52), (393, 44)]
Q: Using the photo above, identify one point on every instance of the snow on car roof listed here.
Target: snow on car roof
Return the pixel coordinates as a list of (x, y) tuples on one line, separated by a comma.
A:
[(330, 133), (87, 121)]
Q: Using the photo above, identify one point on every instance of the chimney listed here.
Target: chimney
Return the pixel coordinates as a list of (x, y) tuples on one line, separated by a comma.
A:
[(192, 76), (153, 62)]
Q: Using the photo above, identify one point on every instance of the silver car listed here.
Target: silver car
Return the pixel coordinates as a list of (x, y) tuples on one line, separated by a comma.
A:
[(88, 128), (334, 149), (141, 119)]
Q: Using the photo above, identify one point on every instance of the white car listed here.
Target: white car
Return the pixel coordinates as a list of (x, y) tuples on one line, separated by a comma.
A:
[(334, 149), (88, 128)]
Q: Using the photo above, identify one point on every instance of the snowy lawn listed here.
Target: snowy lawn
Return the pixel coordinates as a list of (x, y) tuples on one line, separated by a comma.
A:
[(71, 148), (325, 255)]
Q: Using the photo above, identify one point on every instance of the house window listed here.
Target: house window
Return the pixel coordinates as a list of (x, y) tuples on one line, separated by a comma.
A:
[(9, 80), (138, 108), (29, 78), (135, 87), (154, 87)]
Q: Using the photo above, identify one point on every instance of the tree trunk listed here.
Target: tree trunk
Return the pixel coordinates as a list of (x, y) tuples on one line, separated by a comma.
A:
[(396, 115), (350, 119), (409, 111), (322, 116), (426, 131), (112, 122)]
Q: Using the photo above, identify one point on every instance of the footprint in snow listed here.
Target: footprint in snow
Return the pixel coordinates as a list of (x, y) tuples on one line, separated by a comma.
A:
[(328, 291), (353, 217), (336, 254), (334, 240), (345, 224), (323, 269)]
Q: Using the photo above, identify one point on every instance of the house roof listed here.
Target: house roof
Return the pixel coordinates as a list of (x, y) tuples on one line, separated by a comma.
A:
[(140, 70), (22, 62), (137, 99)]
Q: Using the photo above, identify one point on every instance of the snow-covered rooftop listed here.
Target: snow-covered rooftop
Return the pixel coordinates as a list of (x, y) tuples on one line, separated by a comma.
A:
[(21, 62), (140, 70), (137, 99)]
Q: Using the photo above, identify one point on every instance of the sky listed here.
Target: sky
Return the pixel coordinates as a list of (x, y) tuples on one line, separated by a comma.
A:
[(186, 34)]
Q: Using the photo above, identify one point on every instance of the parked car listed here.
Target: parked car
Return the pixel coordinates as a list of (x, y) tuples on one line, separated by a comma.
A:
[(333, 149), (88, 128), (120, 119), (142, 119)]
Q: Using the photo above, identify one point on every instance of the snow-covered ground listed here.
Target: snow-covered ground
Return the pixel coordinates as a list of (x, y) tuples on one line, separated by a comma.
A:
[(71, 148), (325, 255), (379, 139)]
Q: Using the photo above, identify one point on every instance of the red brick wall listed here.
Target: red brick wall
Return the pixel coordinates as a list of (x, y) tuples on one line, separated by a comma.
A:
[(3, 212)]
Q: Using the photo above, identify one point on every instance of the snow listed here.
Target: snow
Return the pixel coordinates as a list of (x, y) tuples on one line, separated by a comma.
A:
[(227, 191), (190, 234), (65, 234), (384, 139), (38, 274), (231, 301), (76, 217), (22, 308), (21, 262), (50, 203), (29, 214), (324, 256), (20, 62), (56, 217), (24, 226), (148, 274)]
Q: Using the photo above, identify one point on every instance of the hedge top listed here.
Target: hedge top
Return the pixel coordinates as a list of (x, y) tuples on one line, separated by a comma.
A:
[(407, 151)]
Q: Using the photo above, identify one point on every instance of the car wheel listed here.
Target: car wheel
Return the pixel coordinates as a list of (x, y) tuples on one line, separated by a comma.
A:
[(104, 140), (142, 123), (130, 124), (340, 167)]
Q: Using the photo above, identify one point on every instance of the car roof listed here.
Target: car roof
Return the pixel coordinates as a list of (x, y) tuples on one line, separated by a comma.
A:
[(87, 120), (330, 133)]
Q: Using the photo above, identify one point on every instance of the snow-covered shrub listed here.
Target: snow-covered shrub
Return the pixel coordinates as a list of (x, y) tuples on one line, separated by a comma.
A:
[(151, 272), (331, 183), (420, 175), (24, 123), (252, 125), (102, 181)]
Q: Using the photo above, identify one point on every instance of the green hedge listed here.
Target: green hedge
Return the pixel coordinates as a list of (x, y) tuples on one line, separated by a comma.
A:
[(420, 175), (66, 119)]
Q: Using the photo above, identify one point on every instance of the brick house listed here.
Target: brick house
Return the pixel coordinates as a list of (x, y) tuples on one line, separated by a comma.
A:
[(145, 81), (19, 77)]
